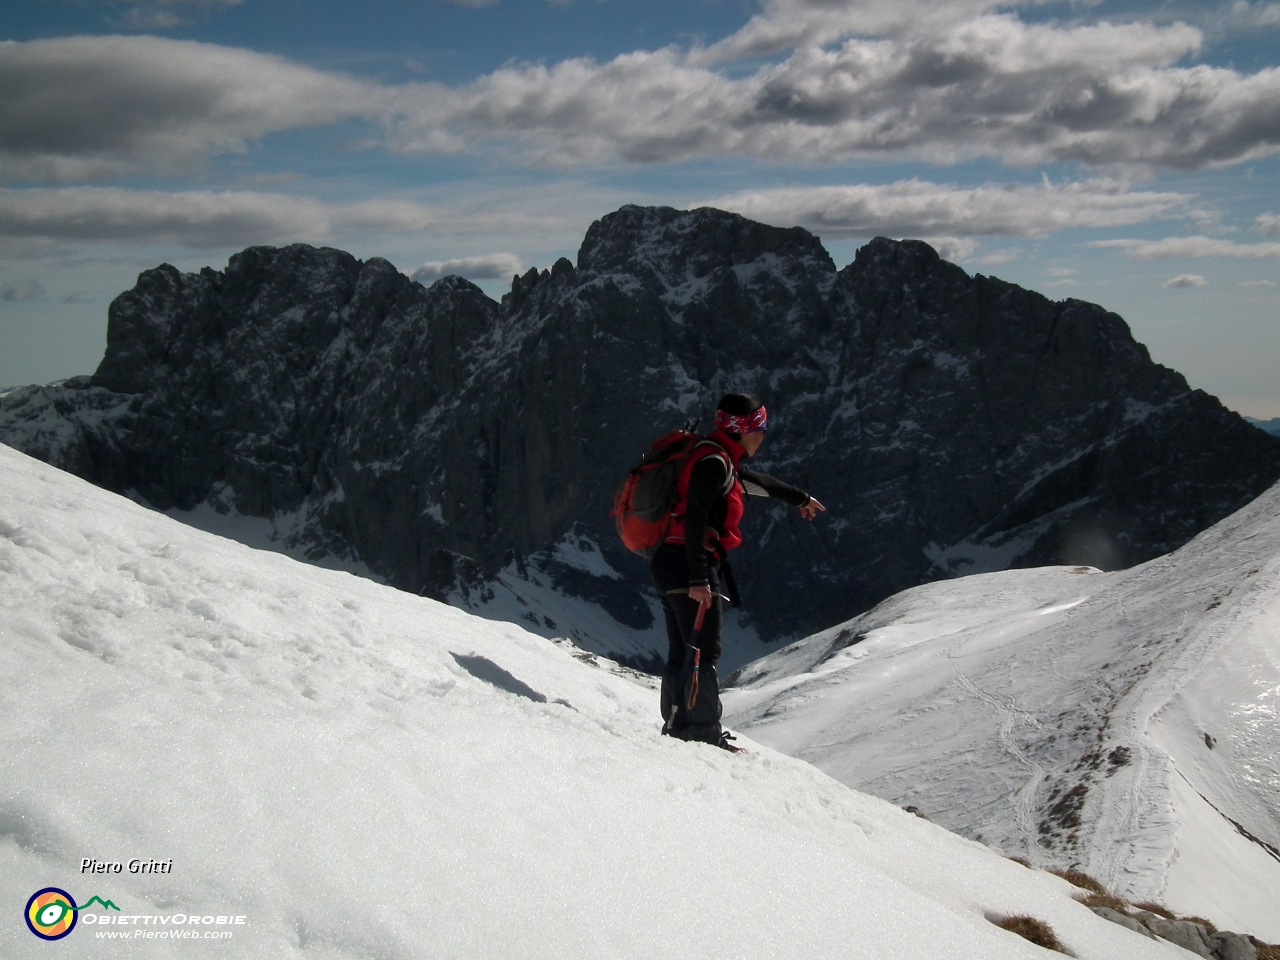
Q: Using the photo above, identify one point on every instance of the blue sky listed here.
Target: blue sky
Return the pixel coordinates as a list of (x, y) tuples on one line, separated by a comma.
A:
[(1124, 153)]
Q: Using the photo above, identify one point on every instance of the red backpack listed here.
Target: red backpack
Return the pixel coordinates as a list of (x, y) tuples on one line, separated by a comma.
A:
[(643, 502)]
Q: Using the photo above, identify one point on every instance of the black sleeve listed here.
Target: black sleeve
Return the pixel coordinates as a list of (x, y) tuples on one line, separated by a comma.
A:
[(706, 486), (763, 485)]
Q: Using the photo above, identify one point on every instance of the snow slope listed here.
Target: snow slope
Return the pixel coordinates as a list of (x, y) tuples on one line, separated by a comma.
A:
[(531, 592), (360, 773), (528, 591), (1124, 723)]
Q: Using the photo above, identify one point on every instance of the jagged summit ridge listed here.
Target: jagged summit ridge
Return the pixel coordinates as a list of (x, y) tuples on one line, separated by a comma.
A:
[(951, 423), (694, 243)]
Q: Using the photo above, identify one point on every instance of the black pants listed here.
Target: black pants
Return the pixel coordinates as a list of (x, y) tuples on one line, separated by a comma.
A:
[(670, 571)]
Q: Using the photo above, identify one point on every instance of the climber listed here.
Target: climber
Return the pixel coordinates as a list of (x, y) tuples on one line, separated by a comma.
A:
[(691, 569)]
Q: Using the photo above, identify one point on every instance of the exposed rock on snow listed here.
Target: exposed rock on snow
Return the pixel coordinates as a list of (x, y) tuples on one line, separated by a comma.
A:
[(1188, 934), (451, 445), (1126, 921), (1196, 938)]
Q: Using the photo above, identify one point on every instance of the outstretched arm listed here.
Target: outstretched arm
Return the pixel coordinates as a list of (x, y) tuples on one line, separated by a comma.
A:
[(762, 485)]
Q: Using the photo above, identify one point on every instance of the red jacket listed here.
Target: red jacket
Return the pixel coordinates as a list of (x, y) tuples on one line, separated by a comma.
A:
[(721, 533)]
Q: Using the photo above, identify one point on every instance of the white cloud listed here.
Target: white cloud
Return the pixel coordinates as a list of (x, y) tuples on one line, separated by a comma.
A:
[(207, 219), (790, 24), (1061, 272), (920, 208), (1256, 283), (1185, 280), (90, 107), (952, 248), (993, 86), (493, 266), (1189, 247), (1255, 14), (1068, 282), (1268, 223), (22, 290), (986, 86)]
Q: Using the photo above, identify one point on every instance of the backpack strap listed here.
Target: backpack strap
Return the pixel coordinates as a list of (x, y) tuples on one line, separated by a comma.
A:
[(723, 454), (720, 454)]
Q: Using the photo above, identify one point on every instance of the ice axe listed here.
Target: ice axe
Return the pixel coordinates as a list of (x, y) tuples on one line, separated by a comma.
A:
[(696, 665), (688, 684)]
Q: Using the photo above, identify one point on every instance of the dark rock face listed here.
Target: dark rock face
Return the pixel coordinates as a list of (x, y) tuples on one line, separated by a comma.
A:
[(951, 423)]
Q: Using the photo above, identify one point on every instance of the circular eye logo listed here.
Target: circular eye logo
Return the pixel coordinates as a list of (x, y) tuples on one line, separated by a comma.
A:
[(51, 913)]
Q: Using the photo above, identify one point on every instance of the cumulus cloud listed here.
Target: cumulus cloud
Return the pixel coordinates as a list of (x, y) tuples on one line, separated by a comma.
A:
[(22, 290), (917, 208), (493, 266), (207, 219), (81, 108), (1189, 247), (1255, 14), (952, 248), (986, 86), (993, 86), (1185, 280), (789, 24)]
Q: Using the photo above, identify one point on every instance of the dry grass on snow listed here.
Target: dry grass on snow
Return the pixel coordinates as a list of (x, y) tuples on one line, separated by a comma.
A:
[(1029, 928)]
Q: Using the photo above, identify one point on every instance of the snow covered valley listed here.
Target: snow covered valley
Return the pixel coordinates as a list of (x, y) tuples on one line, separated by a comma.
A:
[(1126, 724), (360, 773)]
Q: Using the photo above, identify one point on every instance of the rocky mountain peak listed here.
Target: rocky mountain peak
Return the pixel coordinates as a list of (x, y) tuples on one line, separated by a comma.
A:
[(689, 243), (436, 438), (901, 255)]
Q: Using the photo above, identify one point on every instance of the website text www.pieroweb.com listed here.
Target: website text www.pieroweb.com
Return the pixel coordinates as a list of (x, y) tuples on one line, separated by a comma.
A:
[(174, 926)]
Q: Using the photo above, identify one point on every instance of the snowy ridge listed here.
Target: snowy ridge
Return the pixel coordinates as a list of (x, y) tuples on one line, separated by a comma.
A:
[(1111, 722), (362, 773)]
